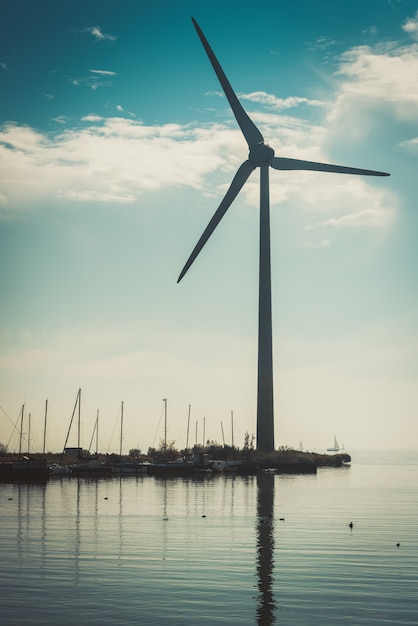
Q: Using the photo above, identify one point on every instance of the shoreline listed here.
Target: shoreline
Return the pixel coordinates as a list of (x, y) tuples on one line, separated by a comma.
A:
[(37, 467)]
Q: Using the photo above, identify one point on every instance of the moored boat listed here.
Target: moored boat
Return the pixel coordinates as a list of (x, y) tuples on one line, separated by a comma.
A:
[(130, 468), (92, 468), (24, 470), (55, 469), (226, 466)]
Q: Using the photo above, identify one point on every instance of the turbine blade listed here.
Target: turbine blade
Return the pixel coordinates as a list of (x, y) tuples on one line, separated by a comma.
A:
[(280, 163), (237, 184), (247, 126)]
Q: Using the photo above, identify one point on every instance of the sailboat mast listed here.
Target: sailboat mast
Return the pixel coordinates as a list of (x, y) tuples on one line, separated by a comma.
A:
[(21, 431), (188, 428), (79, 424), (46, 413), (29, 420), (204, 430), (121, 431), (223, 436), (165, 424), (71, 423), (232, 427), (97, 432)]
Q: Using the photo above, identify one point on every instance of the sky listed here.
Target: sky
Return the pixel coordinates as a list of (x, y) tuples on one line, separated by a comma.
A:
[(116, 147)]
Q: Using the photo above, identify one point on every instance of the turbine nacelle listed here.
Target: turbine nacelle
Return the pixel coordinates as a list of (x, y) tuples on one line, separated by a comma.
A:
[(261, 154)]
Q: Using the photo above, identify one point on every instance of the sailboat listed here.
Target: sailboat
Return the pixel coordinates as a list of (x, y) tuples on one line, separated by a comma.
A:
[(24, 469), (88, 468), (336, 447)]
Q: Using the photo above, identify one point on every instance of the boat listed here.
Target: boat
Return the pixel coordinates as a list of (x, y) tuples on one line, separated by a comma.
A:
[(85, 466), (24, 470), (130, 468), (226, 466), (55, 469), (93, 469), (335, 447)]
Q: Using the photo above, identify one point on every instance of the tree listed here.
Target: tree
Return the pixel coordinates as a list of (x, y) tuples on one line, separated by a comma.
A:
[(248, 441), (3, 448), (167, 450)]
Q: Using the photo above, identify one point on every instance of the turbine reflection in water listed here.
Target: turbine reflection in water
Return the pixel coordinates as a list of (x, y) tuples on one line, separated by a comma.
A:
[(265, 548)]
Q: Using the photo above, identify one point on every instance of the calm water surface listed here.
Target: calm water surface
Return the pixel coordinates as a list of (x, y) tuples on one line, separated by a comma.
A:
[(215, 550)]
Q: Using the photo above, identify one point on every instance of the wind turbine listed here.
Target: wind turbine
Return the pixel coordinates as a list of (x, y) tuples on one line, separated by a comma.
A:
[(261, 155)]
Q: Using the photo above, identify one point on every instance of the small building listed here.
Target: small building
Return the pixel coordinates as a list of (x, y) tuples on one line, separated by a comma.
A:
[(77, 452)]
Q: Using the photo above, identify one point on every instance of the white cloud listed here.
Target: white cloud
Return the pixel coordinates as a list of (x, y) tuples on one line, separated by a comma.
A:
[(116, 160), (98, 34), (323, 243), (108, 160), (370, 30), (103, 72), (93, 82), (92, 118), (376, 80), (410, 146), (278, 103), (95, 79), (367, 217), (321, 43), (352, 203), (411, 26)]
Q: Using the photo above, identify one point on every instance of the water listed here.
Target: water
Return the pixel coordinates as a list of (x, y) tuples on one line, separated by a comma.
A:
[(214, 550)]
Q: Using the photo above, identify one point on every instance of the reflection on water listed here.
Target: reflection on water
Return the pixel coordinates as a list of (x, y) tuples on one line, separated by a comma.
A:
[(87, 525), (212, 550), (265, 548)]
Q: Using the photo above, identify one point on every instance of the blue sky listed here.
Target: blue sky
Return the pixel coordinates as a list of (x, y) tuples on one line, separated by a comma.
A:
[(116, 147)]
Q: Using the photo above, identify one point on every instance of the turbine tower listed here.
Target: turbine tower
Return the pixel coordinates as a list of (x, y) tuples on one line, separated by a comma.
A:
[(262, 156)]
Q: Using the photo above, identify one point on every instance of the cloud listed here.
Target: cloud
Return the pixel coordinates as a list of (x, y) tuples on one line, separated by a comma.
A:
[(120, 109), (103, 72), (96, 79), (92, 118), (353, 203), (321, 43), (4, 66), (411, 26), (410, 146), (370, 30), (375, 81), (323, 243), (106, 160), (117, 160), (98, 34), (278, 103), (367, 217)]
